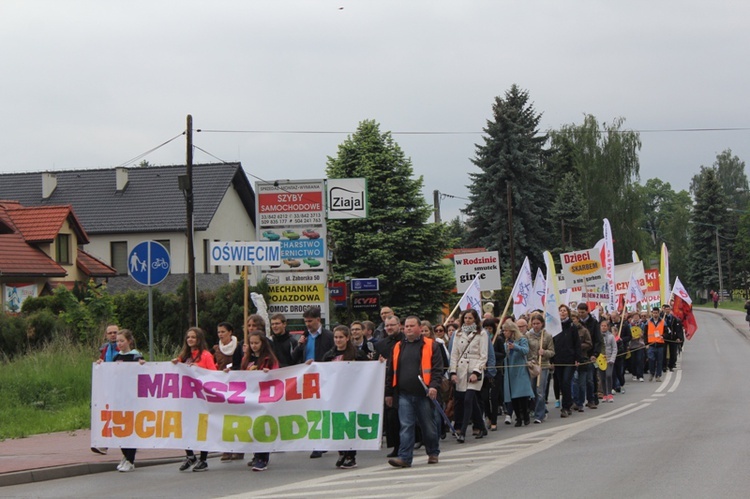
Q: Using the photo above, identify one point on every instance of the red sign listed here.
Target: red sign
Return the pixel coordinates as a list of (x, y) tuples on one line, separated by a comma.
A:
[(337, 291)]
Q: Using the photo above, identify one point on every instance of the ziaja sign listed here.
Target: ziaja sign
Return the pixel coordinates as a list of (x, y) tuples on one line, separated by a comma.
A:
[(347, 198)]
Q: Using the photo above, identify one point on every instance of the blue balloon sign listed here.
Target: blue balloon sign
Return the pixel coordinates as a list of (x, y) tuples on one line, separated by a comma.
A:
[(148, 263)]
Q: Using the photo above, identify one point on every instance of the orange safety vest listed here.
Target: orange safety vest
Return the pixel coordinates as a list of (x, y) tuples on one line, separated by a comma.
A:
[(426, 361), (652, 329)]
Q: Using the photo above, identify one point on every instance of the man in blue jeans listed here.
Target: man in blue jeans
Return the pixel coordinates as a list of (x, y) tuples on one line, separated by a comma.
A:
[(414, 357)]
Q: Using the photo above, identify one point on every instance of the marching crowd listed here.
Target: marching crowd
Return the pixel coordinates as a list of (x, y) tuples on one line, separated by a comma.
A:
[(448, 377)]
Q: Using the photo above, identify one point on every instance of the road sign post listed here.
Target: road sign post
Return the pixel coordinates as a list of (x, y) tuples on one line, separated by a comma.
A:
[(148, 264)]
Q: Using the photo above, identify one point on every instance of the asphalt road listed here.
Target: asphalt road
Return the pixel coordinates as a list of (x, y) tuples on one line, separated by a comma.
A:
[(684, 437)]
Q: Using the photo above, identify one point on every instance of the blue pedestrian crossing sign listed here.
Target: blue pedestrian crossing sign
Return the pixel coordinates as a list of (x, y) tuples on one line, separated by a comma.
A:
[(148, 263)]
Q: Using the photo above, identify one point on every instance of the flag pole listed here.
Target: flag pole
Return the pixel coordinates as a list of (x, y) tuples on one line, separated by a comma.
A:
[(502, 317), (447, 320)]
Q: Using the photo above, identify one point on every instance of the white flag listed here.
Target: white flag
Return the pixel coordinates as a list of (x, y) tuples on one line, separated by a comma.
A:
[(472, 297), (609, 263), (522, 290), (260, 303), (553, 324), (635, 294), (536, 300), (679, 290)]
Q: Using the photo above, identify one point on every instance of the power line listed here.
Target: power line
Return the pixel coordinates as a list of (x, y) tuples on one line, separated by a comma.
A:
[(143, 155), (459, 132)]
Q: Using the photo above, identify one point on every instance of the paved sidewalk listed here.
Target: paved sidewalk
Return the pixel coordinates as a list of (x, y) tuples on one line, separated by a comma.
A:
[(59, 455), (65, 454)]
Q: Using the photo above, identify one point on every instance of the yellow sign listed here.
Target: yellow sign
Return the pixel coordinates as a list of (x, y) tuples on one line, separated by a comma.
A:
[(585, 267), (297, 293)]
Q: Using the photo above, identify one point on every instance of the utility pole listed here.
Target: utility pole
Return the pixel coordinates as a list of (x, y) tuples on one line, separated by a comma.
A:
[(510, 233), (192, 306), (718, 261), (436, 202)]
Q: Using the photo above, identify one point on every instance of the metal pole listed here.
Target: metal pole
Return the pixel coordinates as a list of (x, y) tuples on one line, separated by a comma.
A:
[(718, 263), (192, 304), (150, 324), (510, 233)]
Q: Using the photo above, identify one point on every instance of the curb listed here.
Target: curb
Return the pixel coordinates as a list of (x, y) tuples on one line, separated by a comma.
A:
[(745, 334), (71, 470)]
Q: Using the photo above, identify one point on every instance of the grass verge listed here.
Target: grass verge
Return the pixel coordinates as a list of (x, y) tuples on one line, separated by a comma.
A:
[(46, 390)]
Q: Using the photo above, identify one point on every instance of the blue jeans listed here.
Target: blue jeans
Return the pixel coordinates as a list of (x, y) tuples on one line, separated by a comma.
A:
[(655, 359), (413, 408), (580, 381), (540, 408)]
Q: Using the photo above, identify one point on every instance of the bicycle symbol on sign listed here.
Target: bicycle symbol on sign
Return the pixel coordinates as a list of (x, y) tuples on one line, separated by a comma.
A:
[(160, 262)]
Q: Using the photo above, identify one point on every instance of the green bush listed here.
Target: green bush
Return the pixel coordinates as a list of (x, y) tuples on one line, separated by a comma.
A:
[(42, 326), (13, 337)]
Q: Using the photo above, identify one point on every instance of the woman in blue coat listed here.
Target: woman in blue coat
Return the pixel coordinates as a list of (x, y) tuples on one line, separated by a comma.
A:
[(517, 383)]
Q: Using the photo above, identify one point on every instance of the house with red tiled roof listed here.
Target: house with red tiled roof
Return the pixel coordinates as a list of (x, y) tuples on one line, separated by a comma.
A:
[(41, 248), (122, 207)]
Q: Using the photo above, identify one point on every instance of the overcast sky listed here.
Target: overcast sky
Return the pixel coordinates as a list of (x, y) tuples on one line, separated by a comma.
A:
[(89, 84)]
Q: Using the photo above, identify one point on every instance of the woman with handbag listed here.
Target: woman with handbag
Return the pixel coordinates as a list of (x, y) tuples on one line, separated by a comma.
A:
[(468, 362), (517, 383)]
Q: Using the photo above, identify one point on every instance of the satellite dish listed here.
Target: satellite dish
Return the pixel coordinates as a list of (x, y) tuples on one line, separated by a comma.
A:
[(486, 295)]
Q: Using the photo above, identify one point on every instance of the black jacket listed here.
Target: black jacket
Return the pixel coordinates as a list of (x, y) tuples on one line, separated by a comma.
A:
[(283, 346), (323, 343), (331, 355), (567, 344), (384, 347), (596, 335), (410, 362)]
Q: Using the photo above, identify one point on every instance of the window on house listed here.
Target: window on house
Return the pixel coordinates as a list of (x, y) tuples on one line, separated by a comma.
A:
[(118, 256), (165, 243), (62, 249), (207, 258)]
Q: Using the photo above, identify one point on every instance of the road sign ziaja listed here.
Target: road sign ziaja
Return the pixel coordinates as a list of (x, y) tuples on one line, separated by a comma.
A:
[(245, 253), (369, 284), (148, 263)]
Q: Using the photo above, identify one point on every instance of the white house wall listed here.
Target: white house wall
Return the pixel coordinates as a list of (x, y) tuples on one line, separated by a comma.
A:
[(230, 223)]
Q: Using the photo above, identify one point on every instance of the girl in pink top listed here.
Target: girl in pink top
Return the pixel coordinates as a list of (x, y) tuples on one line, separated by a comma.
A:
[(195, 352)]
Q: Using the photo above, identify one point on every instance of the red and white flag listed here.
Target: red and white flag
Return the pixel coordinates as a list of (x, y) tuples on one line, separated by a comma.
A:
[(536, 301), (472, 297), (522, 290), (683, 308), (679, 290)]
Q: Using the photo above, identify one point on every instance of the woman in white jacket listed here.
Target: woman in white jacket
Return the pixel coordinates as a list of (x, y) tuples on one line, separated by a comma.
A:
[(468, 362)]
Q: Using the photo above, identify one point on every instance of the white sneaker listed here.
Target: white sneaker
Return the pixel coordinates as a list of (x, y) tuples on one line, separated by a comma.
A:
[(128, 466), (508, 420), (635, 378), (122, 461)]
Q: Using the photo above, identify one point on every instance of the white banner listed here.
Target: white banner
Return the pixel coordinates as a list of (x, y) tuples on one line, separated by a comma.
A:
[(485, 265), (304, 407), (623, 273), (245, 253)]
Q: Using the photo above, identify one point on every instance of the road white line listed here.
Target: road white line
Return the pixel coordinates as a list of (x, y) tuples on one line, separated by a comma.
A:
[(667, 377), (677, 379)]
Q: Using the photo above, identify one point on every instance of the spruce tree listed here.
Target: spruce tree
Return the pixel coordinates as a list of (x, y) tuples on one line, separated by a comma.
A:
[(709, 216), (395, 243), (510, 156)]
